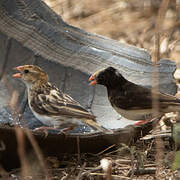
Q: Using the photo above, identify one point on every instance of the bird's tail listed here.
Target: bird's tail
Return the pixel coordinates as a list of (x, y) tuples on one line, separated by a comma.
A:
[(97, 126)]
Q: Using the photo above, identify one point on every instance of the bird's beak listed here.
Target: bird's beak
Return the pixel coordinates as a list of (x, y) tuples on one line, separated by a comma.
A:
[(18, 75), (93, 80), (19, 68)]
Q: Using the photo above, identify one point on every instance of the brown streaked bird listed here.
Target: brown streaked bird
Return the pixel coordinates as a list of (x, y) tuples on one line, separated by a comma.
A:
[(132, 101), (51, 106)]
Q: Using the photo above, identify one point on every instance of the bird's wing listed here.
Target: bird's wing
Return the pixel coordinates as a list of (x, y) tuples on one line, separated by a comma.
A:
[(135, 97), (57, 103)]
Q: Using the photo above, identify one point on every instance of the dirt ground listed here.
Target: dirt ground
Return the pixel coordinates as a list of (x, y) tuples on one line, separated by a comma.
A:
[(132, 22)]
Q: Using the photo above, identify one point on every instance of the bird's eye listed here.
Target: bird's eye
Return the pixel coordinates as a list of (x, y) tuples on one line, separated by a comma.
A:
[(26, 71)]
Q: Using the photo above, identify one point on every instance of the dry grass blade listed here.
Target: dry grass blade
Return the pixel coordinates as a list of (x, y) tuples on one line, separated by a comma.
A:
[(21, 151), (142, 171), (3, 173), (2, 146), (78, 149), (79, 176), (108, 148), (25, 169), (38, 153), (21, 144), (158, 25)]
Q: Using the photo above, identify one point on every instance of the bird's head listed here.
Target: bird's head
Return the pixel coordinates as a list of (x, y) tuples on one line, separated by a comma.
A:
[(31, 75), (106, 77)]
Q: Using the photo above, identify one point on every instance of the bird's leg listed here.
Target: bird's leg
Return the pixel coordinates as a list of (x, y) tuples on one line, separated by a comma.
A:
[(65, 130), (44, 129), (141, 122)]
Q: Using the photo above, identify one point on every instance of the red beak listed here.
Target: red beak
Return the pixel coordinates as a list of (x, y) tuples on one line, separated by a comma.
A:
[(18, 75), (94, 82), (19, 68)]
